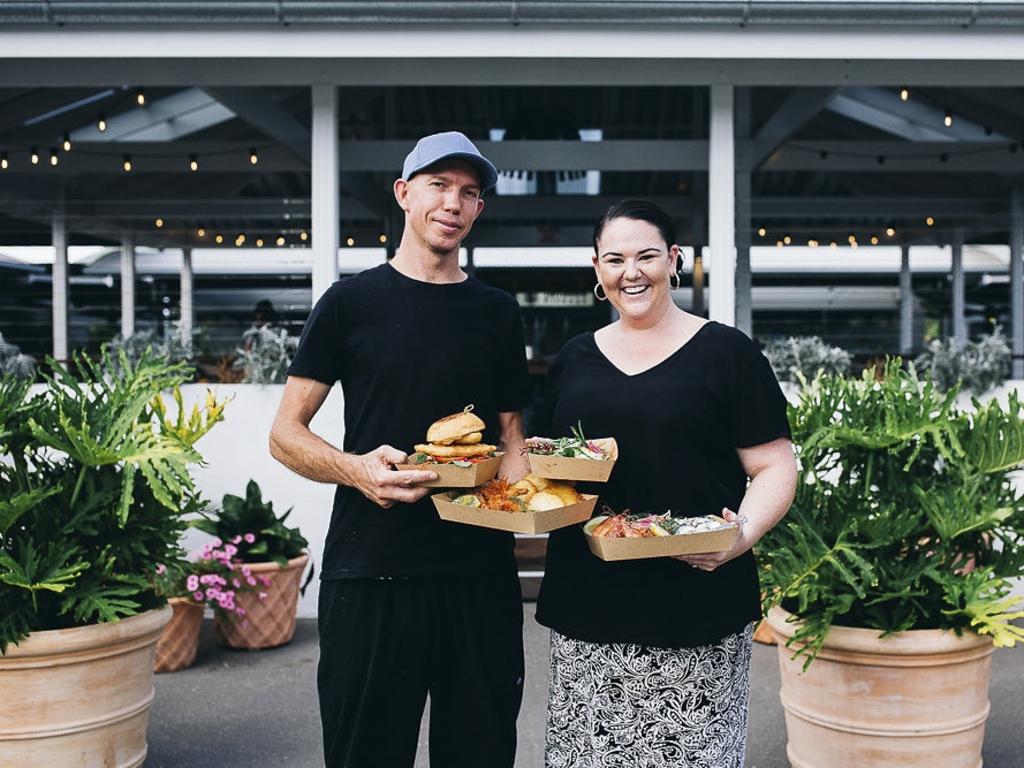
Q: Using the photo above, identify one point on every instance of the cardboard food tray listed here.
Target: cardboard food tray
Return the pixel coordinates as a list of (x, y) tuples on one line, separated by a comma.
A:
[(562, 468), (518, 522), (450, 476), (662, 546)]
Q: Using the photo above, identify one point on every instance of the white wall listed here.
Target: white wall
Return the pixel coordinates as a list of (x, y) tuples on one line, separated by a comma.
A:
[(236, 450)]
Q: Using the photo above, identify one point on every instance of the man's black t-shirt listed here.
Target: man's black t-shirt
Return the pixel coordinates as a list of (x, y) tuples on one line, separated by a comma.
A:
[(678, 425), (407, 353)]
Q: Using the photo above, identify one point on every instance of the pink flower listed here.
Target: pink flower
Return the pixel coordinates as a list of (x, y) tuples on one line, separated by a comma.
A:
[(161, 569), (250, 538), (199, 597), (251, 581), (236, 540), (231, 550), (192, 583), (246, 571), (265, 581), (262, 595), (216, 543), (237, 583)]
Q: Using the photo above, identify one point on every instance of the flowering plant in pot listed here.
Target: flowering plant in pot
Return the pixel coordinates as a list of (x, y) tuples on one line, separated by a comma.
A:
[(213, 578), (268, 548), (94, 481), (901, 543)]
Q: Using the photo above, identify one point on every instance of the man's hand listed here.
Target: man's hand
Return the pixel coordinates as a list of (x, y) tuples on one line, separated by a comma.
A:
[(373, 476), (709, 561), (514, 466)]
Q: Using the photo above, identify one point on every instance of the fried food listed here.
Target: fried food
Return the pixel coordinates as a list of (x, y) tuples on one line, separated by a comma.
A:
[(450, 451), (471, 439), (531, 494)]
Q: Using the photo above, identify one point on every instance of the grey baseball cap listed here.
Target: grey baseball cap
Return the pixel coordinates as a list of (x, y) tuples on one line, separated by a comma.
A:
[(440, 146)]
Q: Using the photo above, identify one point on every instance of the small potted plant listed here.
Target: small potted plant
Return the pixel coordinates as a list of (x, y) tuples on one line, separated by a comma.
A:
[(212, 577), (890, 579), (266, 548)]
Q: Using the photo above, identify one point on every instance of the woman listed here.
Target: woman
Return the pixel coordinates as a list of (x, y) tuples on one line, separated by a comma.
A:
[(650, 658)]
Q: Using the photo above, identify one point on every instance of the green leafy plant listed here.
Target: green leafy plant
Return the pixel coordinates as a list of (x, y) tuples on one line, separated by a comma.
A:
[(265, 355), (977, 365), (252, 525), (805, 356), (94, 483), (905, 516)]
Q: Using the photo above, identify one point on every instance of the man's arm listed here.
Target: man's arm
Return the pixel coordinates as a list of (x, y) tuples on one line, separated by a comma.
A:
[(514, 466), (294, 445)]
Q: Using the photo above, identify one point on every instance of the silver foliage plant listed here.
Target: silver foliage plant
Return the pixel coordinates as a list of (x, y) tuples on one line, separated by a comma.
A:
[(805, 356), (977, 365), (14, 363), (265, 354), (175, 346)]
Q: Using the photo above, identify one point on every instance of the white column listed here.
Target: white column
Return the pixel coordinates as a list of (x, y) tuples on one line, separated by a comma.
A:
[(1017, 282), (959, 291), (185, 295), (60, 286), (722, 208), (325, 211), (744, 299), (906, 303), (127, 284)]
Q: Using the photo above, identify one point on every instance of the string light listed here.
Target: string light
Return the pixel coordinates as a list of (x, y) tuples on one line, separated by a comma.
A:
[(53, 157), (126, 163), (67, 141), (904, 93), (303, 236), (762, 232), (159, 223), (778, 243), (787, 239), (890, 232), (812, 243), (929, 221), (140, 97), (193, 163), (851, 239), (219, 239), (948, 119), (3, 161), (240, 239), (34, 157), (101, 123), (253, 159), (259, 242), (874, 240), (383, 239), (350, 242), (280, 240), (200, 231)]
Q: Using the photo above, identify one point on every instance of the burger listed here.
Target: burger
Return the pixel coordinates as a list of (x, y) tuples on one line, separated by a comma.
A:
[(458, 437)]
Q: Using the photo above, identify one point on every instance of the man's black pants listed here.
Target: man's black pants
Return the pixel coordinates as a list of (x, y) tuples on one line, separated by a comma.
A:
[(386, 643)]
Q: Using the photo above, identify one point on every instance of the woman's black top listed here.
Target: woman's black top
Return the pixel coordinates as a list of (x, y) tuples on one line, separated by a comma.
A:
[(678, 425)]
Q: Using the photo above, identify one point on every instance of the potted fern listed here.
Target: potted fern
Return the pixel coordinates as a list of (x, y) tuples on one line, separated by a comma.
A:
[(272, 557), (94, 480), (889, 580)]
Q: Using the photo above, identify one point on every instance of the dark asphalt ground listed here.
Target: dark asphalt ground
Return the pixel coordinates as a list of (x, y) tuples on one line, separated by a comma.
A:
[(238, 709)]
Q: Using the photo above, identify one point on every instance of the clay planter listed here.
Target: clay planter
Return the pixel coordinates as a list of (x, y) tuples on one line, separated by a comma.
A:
[(79, 698), (270, 622), (179, 642), (914, 699)]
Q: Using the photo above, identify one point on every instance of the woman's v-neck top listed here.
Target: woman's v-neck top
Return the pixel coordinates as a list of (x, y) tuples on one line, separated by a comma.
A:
[(678, 425)]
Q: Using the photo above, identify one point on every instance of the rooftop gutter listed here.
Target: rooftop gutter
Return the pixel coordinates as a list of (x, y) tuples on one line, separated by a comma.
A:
[(538, 13)]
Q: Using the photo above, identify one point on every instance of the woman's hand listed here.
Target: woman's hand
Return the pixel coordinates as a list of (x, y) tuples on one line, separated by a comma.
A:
[(709, 561)]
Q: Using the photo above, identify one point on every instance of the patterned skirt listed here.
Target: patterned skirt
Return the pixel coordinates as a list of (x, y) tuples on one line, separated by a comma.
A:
[(627, 706)]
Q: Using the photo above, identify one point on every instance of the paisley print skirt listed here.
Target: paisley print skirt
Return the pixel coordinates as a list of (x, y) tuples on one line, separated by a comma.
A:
[(627, 706)]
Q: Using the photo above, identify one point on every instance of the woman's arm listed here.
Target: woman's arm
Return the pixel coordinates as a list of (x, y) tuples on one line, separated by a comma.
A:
[(771, 468)]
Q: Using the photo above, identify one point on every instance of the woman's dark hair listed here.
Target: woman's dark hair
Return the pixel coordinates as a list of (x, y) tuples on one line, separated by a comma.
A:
[(641, 210)]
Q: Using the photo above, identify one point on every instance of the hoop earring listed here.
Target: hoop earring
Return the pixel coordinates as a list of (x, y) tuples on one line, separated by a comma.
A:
[(599, 292), (673, 281)]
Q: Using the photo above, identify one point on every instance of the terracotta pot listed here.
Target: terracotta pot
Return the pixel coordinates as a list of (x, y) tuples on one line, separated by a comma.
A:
[(913, 699), (179, 642), (270, 622), (79, 698), (763, 633)]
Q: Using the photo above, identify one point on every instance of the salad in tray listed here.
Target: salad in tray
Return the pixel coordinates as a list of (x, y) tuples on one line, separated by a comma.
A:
[(627, 526), (575, 447)]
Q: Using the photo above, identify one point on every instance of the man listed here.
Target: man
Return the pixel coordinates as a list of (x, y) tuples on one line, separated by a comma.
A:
[(410, 604)]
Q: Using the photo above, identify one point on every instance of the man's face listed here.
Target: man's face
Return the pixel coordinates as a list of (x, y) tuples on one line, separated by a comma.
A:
[(441, 203)]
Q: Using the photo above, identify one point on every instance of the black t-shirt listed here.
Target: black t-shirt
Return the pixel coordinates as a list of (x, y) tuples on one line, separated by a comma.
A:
[(407, 353), (678, 425)]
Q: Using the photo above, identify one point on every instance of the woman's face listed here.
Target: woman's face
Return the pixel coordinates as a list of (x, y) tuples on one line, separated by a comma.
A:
[(633, 265)]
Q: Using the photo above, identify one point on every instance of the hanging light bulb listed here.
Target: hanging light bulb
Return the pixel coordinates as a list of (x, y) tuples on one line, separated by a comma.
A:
[(200, 231), (929, 221), (4, 162), (280, 240), (54, 159), (126, 163), (253, 158), (34, 156), (890, 232), (303, 236), (948, 119), (219, 239), (67, 141), (101, 123), (851, 239), (383, 239), (350, 242), (874, 240), (140, 97), (259, 242), (787, 239), (904, 93), (762, 232), (159, 223), (240, 239), (193, 163)]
